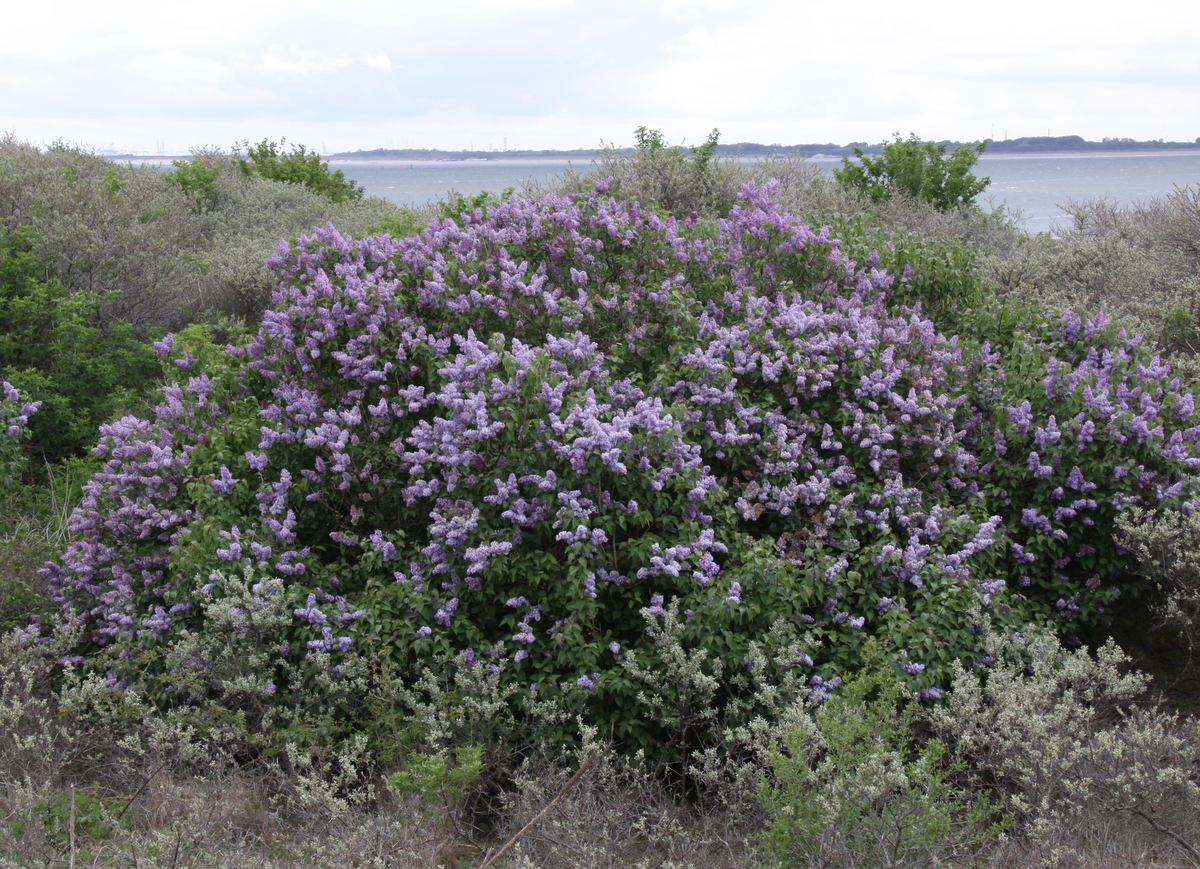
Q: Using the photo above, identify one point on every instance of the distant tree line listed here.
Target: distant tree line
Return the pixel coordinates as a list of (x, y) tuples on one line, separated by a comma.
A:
[(1022, 145)]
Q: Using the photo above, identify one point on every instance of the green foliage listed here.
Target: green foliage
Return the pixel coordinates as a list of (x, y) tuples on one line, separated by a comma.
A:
[(34, 520), (667, 166), (936, 273), (676, 180), (456, 206), (54, 348), (83, 813), (1180, 333), (917, 169), (651, 142), (407, 222), (441, 780), (197, 178), (299, 166), (854, 787)]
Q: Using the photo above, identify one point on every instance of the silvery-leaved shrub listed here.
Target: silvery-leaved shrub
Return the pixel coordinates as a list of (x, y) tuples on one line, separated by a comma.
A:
[(1074, 749), (1166, 544), (161, 249), (1137, 263), (520, 434)]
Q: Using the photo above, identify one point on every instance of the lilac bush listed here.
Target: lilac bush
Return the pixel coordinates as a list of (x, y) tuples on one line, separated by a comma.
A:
[(1076, 423), (515, 438)]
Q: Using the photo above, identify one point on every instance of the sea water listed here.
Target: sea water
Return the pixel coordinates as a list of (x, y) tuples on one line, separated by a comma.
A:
[(1038, 187)]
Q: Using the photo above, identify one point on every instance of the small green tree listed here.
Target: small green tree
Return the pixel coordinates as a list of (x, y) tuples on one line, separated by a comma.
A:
[(300, 166), (197, 178), (676, 180), (918, 169)]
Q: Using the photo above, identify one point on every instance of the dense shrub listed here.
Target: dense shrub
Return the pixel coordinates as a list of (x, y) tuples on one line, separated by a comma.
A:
[(1139, 264), (1166, 544), (54, 347), (1093, 772), (519, 437), (666, 177), (682, 182), (918, 169), (103, 228), (161, 249), (299, 166), (854, 788)]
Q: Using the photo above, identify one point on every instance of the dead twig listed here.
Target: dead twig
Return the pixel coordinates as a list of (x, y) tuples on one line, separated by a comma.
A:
[(488, 861), (1166, 831)]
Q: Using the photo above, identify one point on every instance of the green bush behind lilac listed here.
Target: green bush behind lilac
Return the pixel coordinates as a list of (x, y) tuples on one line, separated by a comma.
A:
[(56, 348), (268, 160), (518, 438), (912, 167)]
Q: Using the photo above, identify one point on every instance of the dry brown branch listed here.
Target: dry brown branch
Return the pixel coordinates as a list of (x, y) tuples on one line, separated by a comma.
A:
[(489, 860)]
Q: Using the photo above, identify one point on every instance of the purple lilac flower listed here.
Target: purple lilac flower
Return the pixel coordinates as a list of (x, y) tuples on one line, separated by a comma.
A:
[(442, 617), (821, 689), (655, 609)]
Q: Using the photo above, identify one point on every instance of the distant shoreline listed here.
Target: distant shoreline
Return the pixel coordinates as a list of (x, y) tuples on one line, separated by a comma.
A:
[(1018, 155), (1058, 146), (566, 161)]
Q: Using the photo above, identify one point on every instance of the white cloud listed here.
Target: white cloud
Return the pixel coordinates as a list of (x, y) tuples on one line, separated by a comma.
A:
[(379, 60), (304, 62)]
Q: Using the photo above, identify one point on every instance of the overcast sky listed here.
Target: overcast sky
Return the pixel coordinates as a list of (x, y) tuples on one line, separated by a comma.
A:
[(138, 76)]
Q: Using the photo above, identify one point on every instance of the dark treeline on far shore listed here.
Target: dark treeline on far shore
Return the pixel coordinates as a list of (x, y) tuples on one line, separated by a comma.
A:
[(1023, 145)]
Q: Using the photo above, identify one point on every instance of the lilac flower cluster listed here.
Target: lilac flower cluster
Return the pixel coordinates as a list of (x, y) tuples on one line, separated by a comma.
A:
[(1098, 426), (14, 427)]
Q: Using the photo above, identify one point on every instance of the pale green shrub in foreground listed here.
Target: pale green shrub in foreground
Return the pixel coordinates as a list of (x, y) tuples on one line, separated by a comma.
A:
[(853, 788), (1059, 734)]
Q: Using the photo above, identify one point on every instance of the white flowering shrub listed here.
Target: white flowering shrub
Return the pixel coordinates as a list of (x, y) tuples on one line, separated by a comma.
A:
[(1166, 544)]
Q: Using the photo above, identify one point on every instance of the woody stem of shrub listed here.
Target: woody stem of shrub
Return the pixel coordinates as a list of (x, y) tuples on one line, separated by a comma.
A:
[(1192, 853), (562, 793)]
